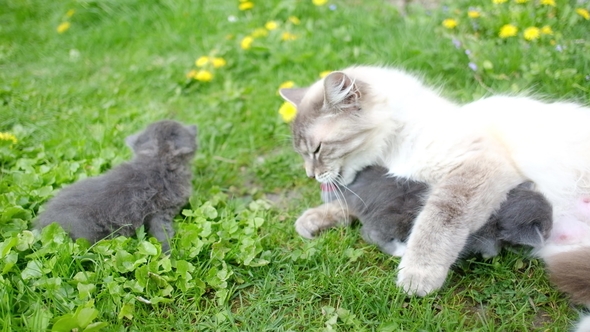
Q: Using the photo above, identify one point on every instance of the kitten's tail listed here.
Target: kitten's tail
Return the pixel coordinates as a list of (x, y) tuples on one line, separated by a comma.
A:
[(570, 272)]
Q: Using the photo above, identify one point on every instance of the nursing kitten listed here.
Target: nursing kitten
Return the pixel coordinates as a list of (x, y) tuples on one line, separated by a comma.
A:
[(470, 155), (149, 190), (387, 206)]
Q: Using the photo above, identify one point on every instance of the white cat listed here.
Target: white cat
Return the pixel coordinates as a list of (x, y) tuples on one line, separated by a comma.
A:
[(471, 155)]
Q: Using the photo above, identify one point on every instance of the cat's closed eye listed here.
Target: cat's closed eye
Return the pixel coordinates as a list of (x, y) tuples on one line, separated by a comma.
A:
[(317, 150)]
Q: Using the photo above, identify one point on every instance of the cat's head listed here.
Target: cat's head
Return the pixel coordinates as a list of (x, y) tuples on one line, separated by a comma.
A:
[(165, 140), (333, 130)]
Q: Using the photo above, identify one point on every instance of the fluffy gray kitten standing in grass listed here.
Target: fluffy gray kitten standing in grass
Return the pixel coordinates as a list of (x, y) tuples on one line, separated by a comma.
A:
[(149, 190), (387, 207)]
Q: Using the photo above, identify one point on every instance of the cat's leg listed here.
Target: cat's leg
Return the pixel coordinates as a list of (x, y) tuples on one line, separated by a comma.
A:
[(160, 226), (325, 216), (457, 206)]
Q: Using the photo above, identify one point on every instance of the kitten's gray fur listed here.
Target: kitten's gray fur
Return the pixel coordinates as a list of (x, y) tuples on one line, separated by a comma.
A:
[(387, 207), (149, 190)]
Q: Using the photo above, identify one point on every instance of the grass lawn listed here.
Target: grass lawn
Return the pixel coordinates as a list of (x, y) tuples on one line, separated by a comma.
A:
[(77, 77)]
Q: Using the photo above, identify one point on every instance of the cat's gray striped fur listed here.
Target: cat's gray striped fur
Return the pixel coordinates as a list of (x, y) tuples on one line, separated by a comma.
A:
[(387, 207)]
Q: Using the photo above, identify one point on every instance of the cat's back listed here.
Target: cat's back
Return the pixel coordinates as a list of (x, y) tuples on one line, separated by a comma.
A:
[(374, 191)]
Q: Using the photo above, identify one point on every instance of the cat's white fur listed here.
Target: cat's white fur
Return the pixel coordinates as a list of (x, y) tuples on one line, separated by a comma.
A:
[(471, 155)]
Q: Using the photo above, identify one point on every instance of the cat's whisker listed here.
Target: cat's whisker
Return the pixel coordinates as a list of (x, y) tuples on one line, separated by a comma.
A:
[(341, 184), (341, 198)]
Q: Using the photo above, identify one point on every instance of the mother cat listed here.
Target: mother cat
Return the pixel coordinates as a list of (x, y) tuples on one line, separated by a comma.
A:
[(471, 155)]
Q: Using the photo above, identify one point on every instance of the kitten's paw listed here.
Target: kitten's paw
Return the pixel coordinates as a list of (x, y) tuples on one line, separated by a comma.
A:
[(419, 279), (312, 221)]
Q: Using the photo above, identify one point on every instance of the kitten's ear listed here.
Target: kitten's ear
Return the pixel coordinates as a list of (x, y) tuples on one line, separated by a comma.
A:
[(293, 95), (147, 148), (192, 129), (131, 140), (341, 92)]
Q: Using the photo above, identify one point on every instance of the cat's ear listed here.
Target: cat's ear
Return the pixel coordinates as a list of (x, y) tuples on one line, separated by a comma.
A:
[(341, 92), (147, 148), (192, 129), (293, 95)]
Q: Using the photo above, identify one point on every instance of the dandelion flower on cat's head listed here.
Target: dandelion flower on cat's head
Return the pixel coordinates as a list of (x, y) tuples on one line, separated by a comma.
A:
[(532, 33), (8, 137), (271, 25), (508, 30), (63, 27), (287, 112), (203, 76), (583, 12), (319, 2), (450, 23), (288, 36), (548, 2), (246, 5), (287, 85), (325, 73), (499, 1), (246, 42)]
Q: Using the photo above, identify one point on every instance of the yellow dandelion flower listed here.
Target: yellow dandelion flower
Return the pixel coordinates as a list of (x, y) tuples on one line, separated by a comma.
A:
[(287, 85), (499, 1), (259, 32), (191, 74), (271, 25), (246, 42), (70, 13), (294, 20), (203, 76), (450, 23), (508, 30), (473, 14), (548, 2), (287, 112), (246, 5), (583, 12), (63, 27), (202, 61), (218, 62), (521, 1), (546, 30), (319, 2), (8, 137), (288, 36), (325, 73), (532, 33)]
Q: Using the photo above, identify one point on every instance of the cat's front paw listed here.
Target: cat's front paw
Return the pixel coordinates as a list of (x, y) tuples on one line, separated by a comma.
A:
[(314, 220), (420, 279)]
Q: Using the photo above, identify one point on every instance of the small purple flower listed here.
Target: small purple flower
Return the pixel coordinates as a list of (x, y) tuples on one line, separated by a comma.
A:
[(456, 42), (473, 66), (559, 48), (332, 7), (468, 52)]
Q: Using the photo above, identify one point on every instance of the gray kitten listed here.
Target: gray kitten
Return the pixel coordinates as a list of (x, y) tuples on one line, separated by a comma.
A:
[(149, 190), (388, 206)]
